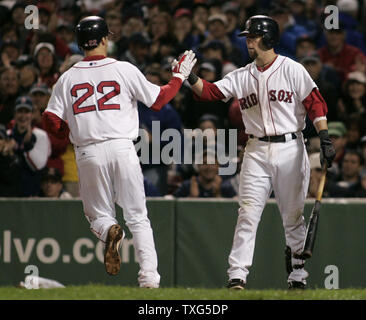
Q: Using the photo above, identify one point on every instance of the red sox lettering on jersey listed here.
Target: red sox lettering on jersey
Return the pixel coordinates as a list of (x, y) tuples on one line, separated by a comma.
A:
[(252, 100), (271, 100)]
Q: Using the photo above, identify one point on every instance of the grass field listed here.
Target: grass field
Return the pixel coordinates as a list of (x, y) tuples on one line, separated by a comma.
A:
[(102, 292)]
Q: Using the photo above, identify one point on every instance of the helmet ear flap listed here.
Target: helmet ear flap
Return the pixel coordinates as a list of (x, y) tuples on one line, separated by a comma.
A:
[(267, 41)]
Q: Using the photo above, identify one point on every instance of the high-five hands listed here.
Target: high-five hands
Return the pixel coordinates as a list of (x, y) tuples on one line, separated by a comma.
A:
[(183, 67)]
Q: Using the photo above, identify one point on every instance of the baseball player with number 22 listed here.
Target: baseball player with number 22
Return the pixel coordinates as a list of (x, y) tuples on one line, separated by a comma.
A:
[(95, 102), (275, 94)]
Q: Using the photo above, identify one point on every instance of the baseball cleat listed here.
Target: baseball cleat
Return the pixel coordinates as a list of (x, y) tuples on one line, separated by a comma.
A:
[(236, 284), (296, 285), (112, 258)]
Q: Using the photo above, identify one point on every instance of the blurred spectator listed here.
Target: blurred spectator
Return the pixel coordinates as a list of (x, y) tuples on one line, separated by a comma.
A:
[(216, 50), (339, 55), (361, 189), (210, 123), (150, 190), (305, 46), (9, 90), (51, 185), (28, 73), (313, 145), (18, 15), (353, 126), (191, 110), (210, 70), (349, 180), (40, 94), (298, 9), (315, 175), (138, 51), (60, 48), (132, 22), (10, 34), (289, 31), (160, 26), (314, 66), (354, 98), (167, 47), (348, 11), (231, 10), (68, 12), (9, 166), (166, 118), (208, 184), (10, 52), (45, 58), (4, 15), (31, 145), (117, 41), (183, 30), (67, 35), (200, 20), (338, 135), (217, 24)]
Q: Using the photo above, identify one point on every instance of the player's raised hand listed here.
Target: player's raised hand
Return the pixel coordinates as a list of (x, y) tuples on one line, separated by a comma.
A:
[(182, 68)]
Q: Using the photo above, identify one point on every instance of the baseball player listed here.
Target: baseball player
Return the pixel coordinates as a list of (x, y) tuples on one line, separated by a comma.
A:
[(97, 100), (275, 94)]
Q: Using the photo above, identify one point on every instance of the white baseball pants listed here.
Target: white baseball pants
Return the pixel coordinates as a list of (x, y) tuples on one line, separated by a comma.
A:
[(109, 173), (283, 168)]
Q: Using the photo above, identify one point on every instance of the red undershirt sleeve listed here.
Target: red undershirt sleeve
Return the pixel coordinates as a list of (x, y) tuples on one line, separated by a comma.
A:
[(315, 105), (167, 93), (55, 125), (210, 92)]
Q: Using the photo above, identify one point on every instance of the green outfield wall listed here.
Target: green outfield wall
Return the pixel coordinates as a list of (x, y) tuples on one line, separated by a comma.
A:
[(193, 239)]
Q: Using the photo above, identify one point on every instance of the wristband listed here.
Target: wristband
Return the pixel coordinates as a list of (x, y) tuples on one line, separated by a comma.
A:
[(192, 79)]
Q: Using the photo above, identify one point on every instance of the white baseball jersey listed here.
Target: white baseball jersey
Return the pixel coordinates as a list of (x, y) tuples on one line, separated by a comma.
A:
[(98, 99), (270, 101)]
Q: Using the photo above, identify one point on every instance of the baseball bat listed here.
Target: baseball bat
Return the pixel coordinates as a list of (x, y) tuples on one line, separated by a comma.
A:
[(311, 231)]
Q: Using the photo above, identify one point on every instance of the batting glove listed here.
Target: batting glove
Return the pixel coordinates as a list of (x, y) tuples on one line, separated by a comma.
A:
[(182, 68), (327, 151)]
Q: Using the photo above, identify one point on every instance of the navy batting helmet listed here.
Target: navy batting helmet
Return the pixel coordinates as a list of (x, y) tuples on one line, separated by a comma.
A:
[(90, 31), (264, 26)]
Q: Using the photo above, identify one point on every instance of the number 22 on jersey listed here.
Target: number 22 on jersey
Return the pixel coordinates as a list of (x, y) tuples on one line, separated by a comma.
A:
[(77, 105)]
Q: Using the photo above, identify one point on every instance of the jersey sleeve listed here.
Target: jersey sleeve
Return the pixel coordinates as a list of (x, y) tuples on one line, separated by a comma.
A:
[(57, 104), (226, 85), (304, 84), (140, 88)]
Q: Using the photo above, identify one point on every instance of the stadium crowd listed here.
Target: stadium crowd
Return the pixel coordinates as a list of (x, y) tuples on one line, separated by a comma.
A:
[(150, 34)]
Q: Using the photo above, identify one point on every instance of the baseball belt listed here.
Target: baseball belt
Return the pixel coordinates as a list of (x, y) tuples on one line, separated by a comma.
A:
[(281, 138)]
